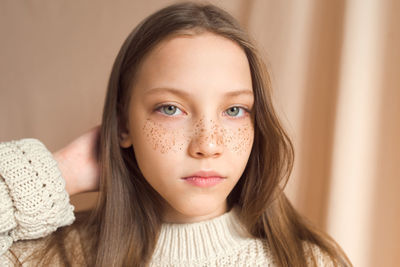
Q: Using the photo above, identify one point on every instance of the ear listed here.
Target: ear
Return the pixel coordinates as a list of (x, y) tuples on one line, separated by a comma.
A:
[(124, 137), (125, 140)]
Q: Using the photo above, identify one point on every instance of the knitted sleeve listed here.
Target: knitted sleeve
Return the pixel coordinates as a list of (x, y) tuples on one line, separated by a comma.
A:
[(33, 199)]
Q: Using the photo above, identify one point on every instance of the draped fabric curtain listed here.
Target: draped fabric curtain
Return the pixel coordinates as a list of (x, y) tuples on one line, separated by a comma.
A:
[(335, 69)]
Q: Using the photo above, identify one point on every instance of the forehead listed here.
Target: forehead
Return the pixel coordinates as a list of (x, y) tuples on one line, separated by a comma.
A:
[(195, 62)]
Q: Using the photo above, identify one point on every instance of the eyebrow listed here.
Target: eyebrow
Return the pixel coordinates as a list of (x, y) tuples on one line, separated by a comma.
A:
[(187, 95)]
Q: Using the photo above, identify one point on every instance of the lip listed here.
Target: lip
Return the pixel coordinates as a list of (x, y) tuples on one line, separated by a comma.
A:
[(204, 178), (205, 174)]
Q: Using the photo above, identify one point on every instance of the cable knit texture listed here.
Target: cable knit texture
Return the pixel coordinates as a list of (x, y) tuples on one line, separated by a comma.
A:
[(34, 203), (220, 241), (33, 199)]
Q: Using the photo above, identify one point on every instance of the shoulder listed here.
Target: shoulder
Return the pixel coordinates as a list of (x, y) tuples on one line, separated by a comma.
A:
[(21, 251), (316, 256), (27, 251)]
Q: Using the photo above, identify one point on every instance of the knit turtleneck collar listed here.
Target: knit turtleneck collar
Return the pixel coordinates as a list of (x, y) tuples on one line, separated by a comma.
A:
[(216, 237)]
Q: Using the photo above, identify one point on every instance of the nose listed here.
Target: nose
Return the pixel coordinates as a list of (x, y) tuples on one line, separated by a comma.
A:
[(207, 140)]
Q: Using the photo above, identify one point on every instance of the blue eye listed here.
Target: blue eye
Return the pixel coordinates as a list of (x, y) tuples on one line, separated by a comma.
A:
[(168, 109), (234, 111)]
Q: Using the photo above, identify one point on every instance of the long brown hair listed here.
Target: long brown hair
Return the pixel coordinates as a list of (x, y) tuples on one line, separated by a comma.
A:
[(123, 228)]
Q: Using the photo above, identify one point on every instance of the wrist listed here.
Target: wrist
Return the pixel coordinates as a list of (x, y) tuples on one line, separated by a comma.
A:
[(62, 163)]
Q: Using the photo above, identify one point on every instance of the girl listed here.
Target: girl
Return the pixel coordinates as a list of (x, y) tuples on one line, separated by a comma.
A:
[(192, 162)]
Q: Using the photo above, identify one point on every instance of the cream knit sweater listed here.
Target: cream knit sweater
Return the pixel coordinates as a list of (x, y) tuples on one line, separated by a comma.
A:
[(34, 203)]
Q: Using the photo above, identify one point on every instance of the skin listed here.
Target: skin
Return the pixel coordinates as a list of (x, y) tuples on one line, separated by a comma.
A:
[(202, 131), (78, 163)]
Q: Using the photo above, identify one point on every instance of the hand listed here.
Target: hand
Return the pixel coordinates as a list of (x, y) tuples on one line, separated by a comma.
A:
[(78, 163)]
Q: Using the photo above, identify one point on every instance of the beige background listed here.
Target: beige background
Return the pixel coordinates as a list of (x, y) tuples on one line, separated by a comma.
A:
[(335, 71)]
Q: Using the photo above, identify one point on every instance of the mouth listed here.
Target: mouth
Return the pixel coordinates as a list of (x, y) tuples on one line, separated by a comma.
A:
[(204, 178), (205, 175)]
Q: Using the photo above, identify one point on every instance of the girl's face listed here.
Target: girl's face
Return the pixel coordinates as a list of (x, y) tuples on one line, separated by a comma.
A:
[(189, 112)]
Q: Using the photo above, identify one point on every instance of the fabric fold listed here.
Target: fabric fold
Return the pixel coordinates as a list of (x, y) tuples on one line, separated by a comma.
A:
[(34, 201)]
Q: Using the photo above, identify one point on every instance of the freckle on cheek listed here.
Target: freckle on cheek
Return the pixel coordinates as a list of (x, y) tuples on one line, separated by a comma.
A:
[(240, 140), (166, 140), (160, 138)]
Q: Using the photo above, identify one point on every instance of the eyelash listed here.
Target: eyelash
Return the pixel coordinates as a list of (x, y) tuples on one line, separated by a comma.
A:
[(247, 111)]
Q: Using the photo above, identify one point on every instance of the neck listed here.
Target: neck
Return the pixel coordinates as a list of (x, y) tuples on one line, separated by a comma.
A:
[(204, 240), (171, 215)]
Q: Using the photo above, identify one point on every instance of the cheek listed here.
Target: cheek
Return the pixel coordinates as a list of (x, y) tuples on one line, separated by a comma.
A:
[(239, 140), (162, 139)]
